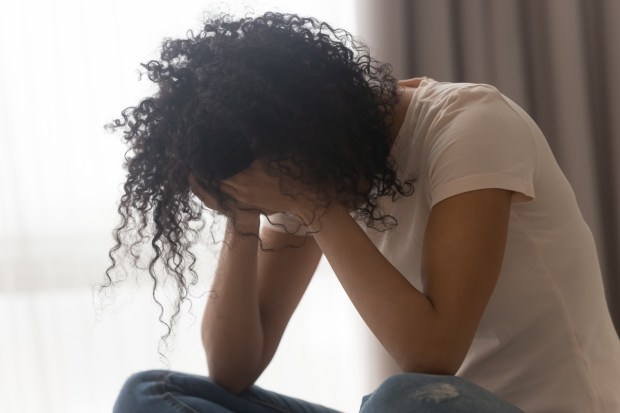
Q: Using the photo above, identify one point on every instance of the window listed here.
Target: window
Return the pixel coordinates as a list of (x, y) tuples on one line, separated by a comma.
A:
[(69, 67)]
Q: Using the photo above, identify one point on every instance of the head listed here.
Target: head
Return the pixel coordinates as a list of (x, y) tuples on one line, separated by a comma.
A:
[(280, 88)]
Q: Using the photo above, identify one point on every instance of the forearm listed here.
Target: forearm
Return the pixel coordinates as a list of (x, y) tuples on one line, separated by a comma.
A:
[(461, 259), (400, 316), (231, 328)]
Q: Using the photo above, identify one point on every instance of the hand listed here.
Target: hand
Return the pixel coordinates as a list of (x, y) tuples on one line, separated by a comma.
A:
[(245, 216), (256, 188)]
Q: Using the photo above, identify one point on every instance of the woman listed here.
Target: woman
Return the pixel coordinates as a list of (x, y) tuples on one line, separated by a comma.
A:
[(439, 207)]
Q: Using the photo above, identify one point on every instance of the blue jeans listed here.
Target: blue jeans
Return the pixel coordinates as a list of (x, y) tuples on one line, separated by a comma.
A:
[(162, 391)]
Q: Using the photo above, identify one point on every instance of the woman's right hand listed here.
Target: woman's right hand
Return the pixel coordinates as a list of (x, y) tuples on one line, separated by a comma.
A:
[(244, 218)]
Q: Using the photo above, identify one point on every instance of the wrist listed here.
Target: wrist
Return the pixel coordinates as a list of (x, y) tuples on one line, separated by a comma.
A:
[(318, 217), (244, 222)]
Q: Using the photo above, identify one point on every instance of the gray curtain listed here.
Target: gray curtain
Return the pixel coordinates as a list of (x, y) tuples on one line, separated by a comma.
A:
[(559, 59)]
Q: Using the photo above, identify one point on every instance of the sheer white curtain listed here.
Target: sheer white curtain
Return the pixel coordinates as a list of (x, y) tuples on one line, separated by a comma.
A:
[(67, 67)]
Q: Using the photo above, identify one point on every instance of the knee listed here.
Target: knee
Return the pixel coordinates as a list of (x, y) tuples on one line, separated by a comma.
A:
[(392, 390), (137, 390), (437, 387), (426, 393), (417, 379), (139, 383), (410, 391)]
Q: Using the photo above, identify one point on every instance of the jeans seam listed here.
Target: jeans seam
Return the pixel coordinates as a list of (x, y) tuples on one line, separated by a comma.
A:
[(182, 407), (171, 398), (178, 404)]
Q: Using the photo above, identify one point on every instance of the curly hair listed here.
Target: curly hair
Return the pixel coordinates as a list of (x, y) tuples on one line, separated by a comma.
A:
[(281, 88)]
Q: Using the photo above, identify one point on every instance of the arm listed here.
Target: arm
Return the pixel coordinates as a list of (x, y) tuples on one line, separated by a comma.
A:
[(425, 331), (254, 294)]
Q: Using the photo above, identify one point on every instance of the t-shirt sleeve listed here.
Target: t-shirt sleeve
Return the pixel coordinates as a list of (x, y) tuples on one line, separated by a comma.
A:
[(478, 142)]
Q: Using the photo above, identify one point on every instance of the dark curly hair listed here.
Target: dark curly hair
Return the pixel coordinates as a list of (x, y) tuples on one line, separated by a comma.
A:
[(281, 88)]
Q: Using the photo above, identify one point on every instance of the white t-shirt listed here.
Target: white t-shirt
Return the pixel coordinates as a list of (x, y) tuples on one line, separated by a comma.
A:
[(546, 342)]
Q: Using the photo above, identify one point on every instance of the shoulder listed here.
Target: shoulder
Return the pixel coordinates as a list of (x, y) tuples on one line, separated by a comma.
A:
[(462, 109), (477, 140), (432, 91), (467, 100), (459, 108)]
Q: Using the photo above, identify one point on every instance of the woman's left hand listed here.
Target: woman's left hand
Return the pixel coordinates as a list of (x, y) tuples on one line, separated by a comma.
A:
[(255, 187)]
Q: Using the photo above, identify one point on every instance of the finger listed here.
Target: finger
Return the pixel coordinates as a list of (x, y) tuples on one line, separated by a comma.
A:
[(198, 189), (231, 189), (243, 178)]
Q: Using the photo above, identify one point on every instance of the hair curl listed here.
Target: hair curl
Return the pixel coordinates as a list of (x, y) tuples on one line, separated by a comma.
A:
[(280, 88)]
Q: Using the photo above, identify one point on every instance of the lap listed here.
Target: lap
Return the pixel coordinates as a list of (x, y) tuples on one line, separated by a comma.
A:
[(163, 391), (426, 393)]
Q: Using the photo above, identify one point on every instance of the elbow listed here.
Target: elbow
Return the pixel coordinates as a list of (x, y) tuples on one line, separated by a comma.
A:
[(437, 354), (439, 369), (232, 386), (232, 383), (232, 372), (431, 362)]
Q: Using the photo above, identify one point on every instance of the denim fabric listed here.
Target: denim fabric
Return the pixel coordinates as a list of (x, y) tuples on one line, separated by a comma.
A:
[(162, 391), (425, 393)]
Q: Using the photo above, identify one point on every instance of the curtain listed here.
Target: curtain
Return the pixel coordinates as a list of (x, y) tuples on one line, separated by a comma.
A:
[(558, 59)]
